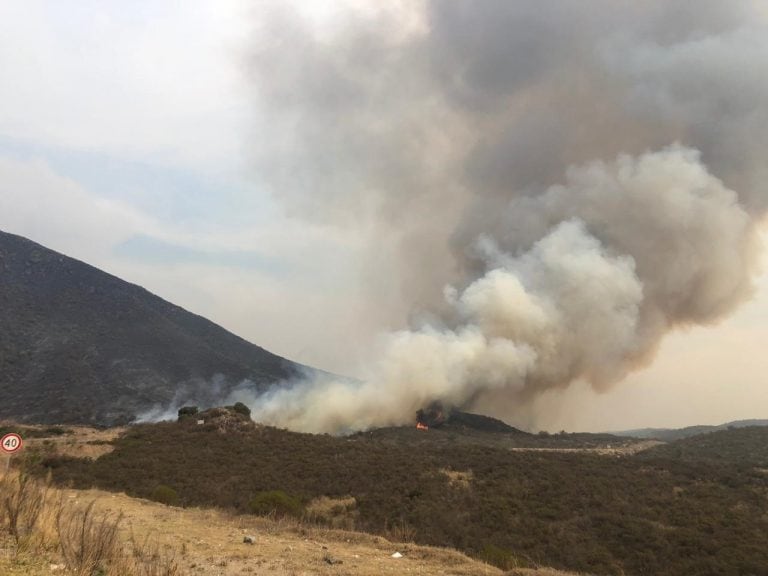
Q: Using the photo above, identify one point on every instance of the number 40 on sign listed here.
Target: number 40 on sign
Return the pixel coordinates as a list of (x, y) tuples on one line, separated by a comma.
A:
[(11, 443)]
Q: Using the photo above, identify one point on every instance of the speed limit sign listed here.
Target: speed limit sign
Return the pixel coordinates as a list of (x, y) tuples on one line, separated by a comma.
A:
[(11, 443)]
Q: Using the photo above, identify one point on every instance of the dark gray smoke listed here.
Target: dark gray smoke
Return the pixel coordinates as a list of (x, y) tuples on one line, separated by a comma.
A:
[(554, 186)]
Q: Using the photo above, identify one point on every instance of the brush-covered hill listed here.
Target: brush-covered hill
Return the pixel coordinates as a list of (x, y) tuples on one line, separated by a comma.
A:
[(672, 434), (579, 510), (457, 428), (78, 345), (736, 446)]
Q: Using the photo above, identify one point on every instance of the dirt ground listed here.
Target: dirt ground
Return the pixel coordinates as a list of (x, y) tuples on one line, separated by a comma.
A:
[(211, 543), (624, 450)]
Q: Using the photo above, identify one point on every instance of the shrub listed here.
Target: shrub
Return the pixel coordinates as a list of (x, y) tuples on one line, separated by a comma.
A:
[(275, 502), (401, 531), (56, 431), (165, 495), (241, 408), (21, 499), (499, 557), (187, 411), (88, 541), (339, 513)]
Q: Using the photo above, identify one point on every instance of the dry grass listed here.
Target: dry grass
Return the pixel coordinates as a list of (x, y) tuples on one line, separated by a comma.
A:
[(44, 531), (340, 513), (627, 449), (458, 479), (211, 542), (538, 572), (92, 532), (82, 442), (22, 499), (98, 533), (87, 540)]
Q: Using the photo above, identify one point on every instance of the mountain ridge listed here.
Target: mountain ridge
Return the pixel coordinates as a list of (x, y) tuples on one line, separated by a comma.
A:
[(79, 345), (672, 434)]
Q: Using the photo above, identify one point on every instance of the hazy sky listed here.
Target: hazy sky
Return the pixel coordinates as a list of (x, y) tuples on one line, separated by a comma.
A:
[(126, 131)]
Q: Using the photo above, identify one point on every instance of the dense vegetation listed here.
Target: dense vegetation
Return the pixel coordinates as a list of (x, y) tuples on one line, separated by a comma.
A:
[(744, 447), (655, 514), (33, 432), (672, 434)]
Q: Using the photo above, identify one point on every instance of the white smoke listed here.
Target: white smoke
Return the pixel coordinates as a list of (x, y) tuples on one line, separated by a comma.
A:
[(677, 248), (553, 187)]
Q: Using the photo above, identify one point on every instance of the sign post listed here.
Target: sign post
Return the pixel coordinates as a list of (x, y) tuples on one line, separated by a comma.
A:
[(10, 444)]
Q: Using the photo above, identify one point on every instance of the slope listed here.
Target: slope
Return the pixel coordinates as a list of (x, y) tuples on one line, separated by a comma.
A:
[(672, 434), (80, 345)]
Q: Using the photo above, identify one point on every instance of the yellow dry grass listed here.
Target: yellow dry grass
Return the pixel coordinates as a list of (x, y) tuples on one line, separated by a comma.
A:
[(338, 513), (457, 478), (619, 450), (83, 442), (210, 543)]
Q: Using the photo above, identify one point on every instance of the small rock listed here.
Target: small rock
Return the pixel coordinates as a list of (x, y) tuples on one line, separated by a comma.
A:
[(397, 555), (249, 540), (331, 560)]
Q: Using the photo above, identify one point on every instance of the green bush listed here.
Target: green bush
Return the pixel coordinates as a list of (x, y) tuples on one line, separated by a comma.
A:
[(165, 495), (275, 502), (56, 431), (241, 408), (187, 411)]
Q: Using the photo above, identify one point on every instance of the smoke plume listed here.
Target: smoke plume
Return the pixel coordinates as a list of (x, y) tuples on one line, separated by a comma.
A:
[(544, 190)]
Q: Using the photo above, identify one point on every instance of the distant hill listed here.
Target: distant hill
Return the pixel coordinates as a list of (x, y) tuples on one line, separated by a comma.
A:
[(735, 445), (671, 434), (78, 345), (455, 429), (458, 420)]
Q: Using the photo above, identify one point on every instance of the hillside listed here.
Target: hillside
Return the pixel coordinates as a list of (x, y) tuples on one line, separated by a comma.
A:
[(578, 509), (160, 540), (746, 446), (204, 542), (457, 428), (672, 434), (78, 345)]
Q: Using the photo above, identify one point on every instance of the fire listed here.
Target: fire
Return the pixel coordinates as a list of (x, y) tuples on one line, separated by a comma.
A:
[(420, 426)]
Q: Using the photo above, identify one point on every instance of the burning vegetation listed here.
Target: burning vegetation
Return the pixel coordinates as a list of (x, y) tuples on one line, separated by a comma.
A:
[(433, 416)]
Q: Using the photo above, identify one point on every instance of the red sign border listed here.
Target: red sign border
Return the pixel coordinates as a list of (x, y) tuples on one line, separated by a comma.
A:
[(2, 440)]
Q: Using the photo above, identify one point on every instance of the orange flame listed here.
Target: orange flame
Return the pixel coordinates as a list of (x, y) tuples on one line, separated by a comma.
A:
[(420, 426)]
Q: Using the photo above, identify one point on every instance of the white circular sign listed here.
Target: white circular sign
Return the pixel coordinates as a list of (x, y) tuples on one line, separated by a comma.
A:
[(11, 443)]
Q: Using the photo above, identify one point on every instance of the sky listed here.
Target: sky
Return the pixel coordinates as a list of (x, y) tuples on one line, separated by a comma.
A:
[(134, 136)]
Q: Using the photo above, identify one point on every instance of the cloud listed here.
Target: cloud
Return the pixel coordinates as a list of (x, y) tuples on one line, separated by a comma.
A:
[(142, 81), (39, 203)]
